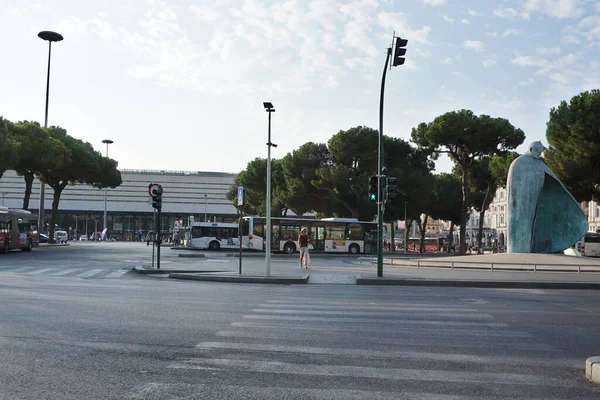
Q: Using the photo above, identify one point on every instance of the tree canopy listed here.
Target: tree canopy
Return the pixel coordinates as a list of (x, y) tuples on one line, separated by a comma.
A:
[(466, 137), (573, 134), (9, 146)]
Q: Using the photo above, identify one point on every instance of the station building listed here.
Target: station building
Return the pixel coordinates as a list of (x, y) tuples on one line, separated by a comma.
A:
[(200, 195)]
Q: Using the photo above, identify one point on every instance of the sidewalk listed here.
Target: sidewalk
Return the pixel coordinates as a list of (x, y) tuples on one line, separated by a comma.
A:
[(469, 271)]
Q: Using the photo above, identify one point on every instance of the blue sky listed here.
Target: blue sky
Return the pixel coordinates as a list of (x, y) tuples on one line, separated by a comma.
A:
[(179, 85)]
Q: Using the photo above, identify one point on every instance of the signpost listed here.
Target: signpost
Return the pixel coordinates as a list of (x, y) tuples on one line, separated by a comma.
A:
[(240, 202)]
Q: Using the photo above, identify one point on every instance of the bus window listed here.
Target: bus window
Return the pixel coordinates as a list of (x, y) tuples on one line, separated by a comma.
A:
[(336, 232), (355, 232)]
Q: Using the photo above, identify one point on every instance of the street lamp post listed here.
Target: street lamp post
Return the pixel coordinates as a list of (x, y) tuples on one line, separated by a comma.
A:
[(269, 108), (205, 199), (2, 198), (50, 37), (107, 141)]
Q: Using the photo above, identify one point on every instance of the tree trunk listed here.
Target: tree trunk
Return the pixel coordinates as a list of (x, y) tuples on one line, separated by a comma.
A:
[(392, 238), (28, 176), (451, 237), (422, 230), (407, 227), (464, 210), (480, 233), (55, 199), (484, 206)]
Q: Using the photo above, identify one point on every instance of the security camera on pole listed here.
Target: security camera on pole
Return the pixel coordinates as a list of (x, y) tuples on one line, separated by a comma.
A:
[(398, 59), (156, 191)]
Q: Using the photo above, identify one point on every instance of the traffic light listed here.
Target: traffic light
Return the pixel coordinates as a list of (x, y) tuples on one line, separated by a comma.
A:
[(390, 189), (373, 188), (156, 192), (399, 51)]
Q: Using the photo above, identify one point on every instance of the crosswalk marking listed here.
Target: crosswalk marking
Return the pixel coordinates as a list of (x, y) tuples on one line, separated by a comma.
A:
[(374, 313), (116, 274), (65, 272), (388, 321), (368, 307), (277, 367), (41, 271), (399, 355), (89, 273), (159, 390)]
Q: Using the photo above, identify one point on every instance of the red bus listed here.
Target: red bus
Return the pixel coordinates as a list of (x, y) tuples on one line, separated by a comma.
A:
[(16, 230), (431, 244)]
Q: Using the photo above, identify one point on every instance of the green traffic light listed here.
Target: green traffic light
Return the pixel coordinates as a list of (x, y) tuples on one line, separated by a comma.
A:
[(372, 197)]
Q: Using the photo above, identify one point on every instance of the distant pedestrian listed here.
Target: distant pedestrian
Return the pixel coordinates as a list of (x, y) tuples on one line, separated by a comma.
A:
[(303, 242), (176, 239)]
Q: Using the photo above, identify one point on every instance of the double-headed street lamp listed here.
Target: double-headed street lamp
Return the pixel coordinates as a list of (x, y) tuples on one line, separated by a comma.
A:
[(107, 141), (269, 108), (50, 37)]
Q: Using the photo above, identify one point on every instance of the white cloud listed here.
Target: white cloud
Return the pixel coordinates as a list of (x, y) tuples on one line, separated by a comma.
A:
[(513, 103), (488, 63), (446, 61), (398, 22), (548, 50), (474, 45), (465, 21), (473, 13), (434, 2), (447, 18), (506, 12), (530, 61), (491, 34), (570, 39), (527, 82), (511, 32), (554, 8)]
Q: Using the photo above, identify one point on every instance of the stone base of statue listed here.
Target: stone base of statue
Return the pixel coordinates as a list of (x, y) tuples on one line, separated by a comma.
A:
[(543, 217)]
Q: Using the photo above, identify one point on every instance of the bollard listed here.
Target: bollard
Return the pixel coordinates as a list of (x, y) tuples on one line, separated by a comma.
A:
[(534, 267), (492, 264), (579, 269), (452, 264), (418, 263), (392, 262)]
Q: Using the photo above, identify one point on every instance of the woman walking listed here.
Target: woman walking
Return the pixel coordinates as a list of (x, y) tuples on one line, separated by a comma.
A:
[(303, 241)]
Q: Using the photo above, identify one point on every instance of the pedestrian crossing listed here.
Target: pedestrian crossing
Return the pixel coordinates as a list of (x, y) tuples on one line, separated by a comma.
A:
[(81, 272), (327, 349)]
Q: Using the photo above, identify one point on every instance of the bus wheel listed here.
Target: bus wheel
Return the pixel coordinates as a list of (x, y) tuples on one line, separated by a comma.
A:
[(353, 249), (214, 245), (29, 246), (289, 248)]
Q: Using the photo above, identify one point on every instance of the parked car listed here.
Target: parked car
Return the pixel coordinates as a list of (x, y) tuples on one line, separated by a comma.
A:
[(43, 238), (83, 237), (61, 236)]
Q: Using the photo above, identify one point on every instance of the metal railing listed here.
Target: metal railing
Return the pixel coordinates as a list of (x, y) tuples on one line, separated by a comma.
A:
[(491, 266)]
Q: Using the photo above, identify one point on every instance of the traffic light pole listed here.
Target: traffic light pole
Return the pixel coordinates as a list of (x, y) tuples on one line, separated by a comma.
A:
[(157, 239), (380, 173)]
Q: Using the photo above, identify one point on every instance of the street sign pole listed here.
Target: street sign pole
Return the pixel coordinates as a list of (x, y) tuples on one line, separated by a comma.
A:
[(157, 241), (240, 202)]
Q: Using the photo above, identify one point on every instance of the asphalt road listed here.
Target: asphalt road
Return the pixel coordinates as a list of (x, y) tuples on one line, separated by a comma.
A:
[(138, 337)]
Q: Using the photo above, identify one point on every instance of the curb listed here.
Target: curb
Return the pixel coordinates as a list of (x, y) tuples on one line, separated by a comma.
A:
[(282, 280), (191, 255), (150, 271), (481, 284), (592, 369)]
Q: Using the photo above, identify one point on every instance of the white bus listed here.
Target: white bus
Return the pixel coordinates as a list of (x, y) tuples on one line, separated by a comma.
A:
[(214, 235), (16, 230), (588, 246), (328, 235)]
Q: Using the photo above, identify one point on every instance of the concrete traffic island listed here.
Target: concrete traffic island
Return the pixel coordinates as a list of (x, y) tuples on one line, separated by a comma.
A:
[(237, 278), (140, 269), (592, 369)]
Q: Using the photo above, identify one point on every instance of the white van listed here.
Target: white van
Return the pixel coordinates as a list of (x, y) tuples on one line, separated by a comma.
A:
[(61, 236)]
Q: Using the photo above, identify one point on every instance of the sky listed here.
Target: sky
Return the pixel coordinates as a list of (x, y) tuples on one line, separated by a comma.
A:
[(179, 85)]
